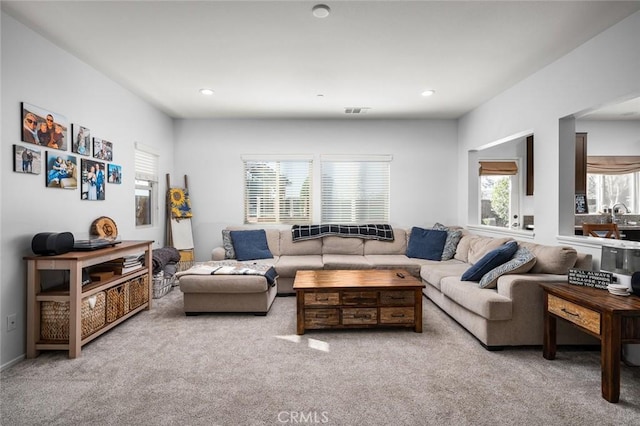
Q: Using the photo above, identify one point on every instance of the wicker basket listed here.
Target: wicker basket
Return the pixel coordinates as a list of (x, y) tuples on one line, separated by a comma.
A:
[(162, 284), (117, 301), (187, 259), (183, 265), (138, 291), (54, 317)]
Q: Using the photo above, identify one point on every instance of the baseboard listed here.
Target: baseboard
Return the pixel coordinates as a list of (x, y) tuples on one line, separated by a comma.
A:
[(12, 362)]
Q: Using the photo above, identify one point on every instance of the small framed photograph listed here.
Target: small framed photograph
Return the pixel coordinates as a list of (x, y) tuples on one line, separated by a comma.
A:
[(43, 127), (93, 180), (81, 143), (115, 173), (102, 150), (27, 160), (62, 170), (581, 204)]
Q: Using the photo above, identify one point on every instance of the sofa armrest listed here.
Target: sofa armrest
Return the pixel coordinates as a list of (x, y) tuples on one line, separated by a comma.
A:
[(508, 285), (217, 253)]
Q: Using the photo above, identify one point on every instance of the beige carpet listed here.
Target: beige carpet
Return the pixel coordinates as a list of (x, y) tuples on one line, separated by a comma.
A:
[(162, 368)]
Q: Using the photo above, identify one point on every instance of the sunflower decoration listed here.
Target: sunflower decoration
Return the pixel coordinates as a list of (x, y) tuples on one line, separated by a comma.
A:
[(179, 203)]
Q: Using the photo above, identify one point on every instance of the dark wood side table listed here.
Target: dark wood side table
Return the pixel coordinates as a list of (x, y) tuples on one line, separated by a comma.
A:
[(612, 319)]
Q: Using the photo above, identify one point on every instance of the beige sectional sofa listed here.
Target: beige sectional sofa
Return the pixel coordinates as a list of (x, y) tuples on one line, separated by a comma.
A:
[(509, 315)]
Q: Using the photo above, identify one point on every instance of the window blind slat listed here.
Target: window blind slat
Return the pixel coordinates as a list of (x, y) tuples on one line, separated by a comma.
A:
[(355, 191), (146, 166), (277, 191)]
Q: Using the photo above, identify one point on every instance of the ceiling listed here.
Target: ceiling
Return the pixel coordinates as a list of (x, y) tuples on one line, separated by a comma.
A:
[(623, 111), (274, 59)]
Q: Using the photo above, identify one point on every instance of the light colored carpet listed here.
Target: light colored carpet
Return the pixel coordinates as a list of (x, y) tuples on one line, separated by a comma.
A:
[(163, 368)]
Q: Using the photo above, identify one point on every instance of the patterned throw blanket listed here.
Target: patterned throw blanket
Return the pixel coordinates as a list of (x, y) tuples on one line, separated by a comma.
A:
[(226, 267), (370, 232)]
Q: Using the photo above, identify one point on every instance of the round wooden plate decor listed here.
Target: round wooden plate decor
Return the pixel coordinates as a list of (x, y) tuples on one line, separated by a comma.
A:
[(104, 227)]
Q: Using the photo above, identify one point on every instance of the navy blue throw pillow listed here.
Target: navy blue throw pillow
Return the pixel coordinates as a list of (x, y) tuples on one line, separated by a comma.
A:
[(426, 243), (491, 260), (250, 245)]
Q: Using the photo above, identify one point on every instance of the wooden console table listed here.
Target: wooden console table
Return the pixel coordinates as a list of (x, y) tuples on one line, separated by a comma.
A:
[(74, 262), (614, 320)]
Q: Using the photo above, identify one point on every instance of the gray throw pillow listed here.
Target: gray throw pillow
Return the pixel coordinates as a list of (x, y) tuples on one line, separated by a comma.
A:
[(521, 263), (451, 244), (227, 244)]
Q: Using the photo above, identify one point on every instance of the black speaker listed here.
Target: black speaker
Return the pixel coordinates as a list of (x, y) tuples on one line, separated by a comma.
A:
[(635, 283), (50, 243)]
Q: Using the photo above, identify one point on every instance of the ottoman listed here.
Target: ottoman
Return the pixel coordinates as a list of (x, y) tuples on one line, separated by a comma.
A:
[(227, 293)]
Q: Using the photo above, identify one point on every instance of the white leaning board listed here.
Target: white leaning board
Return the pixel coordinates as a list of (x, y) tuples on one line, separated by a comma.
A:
[(181, 234)]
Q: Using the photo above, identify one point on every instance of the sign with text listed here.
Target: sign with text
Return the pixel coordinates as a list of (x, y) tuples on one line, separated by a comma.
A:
[(595, 279)]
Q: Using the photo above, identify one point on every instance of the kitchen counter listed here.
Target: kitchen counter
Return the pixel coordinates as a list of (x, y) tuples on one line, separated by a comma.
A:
[(627, 231), (621, 227)]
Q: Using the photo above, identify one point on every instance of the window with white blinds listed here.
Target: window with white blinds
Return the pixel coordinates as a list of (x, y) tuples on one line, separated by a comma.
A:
[(146, 164), (355, 190), (277, 191), (146, 178)]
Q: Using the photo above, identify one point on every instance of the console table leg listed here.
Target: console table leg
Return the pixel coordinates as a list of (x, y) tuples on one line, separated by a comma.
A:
[(549, 337), (610, 356)]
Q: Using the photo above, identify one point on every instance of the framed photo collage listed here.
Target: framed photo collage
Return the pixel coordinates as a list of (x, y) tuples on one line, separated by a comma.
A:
[(46, 135)]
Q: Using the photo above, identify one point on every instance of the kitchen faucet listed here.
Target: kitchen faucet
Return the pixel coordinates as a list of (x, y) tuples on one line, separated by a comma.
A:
[(614, 211)]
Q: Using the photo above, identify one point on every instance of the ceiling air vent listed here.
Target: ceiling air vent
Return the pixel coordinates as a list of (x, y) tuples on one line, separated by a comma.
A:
[(356, 110)]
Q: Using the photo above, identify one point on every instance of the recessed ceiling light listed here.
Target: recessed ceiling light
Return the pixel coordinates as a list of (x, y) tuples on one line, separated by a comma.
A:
[(428, 92), (207, 92), (320, 10)]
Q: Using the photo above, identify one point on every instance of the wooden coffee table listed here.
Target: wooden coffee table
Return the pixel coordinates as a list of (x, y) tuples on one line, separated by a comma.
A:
[(358, 299)]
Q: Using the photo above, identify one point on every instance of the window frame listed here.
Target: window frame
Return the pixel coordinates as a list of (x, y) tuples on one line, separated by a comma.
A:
[(633, 204), (516, 187)]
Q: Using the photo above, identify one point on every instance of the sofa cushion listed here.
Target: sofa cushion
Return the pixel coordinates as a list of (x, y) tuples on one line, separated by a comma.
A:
[(426, 243), (342, 245), (433, 274), (223, 284), (521, 263), (345, 261), (482, 301), (299, 248), (453, 238), (396, 261), (494, 258), (397, 246), (479, 246), (552, 259), (392, 260), (250, 244), (287, 266)]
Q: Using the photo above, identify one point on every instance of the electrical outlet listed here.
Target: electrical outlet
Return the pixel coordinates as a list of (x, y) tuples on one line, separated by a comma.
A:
[(11, 322)]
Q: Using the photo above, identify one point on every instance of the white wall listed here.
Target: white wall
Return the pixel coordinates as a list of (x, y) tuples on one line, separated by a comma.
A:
[(621, 137), (38, 72), (423, 171), (600, 71)]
